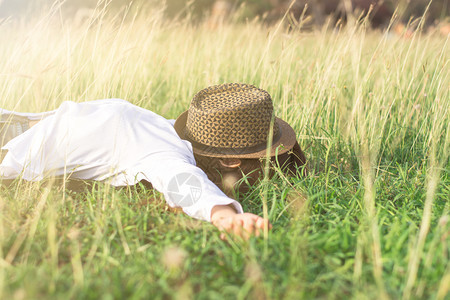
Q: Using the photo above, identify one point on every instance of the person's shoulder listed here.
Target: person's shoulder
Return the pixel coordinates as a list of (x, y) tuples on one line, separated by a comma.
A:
[(98, 101), (112, 103), (108, 105), (94, 102)]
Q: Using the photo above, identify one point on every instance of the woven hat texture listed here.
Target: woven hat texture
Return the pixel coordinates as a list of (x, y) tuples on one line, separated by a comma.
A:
[(233, 120), (230, 116)]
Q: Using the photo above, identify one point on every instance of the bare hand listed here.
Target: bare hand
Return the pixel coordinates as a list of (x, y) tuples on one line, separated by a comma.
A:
[(242, 225)]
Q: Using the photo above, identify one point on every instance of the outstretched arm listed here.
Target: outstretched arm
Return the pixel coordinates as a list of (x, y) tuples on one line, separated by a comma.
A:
[(211, 205)]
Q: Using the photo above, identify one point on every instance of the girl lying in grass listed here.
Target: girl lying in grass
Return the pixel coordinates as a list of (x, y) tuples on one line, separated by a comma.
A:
[(195, 161)]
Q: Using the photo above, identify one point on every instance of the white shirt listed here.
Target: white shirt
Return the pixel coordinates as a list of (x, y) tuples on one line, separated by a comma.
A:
[(116, 142)]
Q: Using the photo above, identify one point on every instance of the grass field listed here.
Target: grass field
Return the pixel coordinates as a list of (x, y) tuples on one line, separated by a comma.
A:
[(371, 111)]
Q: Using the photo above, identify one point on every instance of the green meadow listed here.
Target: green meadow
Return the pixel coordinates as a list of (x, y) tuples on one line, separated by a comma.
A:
[(370, 109)]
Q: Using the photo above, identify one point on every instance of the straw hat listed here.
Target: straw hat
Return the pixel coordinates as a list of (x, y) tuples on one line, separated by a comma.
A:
[(233, 121)]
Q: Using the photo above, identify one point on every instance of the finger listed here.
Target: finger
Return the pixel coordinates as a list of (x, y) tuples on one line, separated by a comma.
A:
[(237, 227), (261, 224), (267, 224), (228, 224), (223, 224), (249, 228)]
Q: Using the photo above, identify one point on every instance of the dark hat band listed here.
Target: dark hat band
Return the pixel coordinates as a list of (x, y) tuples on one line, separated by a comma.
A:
[(233, 151), (282, 142), (234, 120)]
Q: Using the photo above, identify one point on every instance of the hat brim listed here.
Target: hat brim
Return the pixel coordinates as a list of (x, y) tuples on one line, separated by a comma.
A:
[(284, 142)]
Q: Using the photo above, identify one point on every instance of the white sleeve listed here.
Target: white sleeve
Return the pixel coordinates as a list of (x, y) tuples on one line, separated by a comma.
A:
[(184, 185)]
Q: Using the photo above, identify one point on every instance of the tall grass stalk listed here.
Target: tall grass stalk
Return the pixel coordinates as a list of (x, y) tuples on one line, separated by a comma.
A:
[(370, 109)]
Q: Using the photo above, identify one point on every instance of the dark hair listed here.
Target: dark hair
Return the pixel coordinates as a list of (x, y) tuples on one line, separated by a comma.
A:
[(292, 163)]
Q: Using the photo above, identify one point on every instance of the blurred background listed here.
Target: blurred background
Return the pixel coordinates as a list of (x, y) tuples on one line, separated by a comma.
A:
[(312, 13)]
